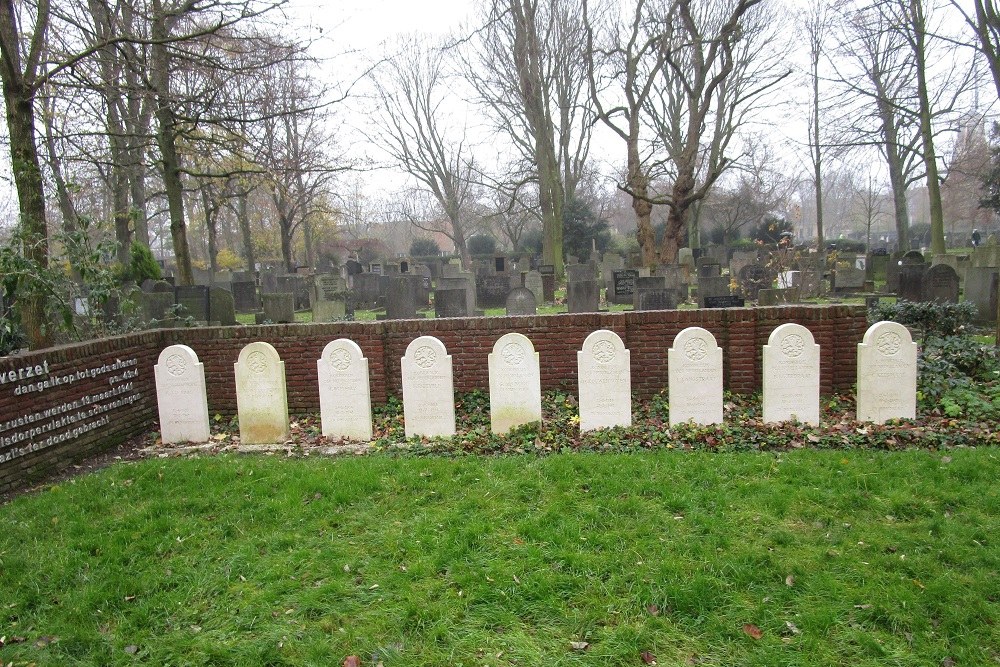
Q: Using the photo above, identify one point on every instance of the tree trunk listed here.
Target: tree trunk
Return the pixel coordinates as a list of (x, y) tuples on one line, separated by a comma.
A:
[(244, 221), (926, 132), (31, 199)]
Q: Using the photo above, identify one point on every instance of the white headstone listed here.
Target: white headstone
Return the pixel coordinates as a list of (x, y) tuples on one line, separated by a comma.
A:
[(791, 375), (181, 396), (515, 384), (344, 392), (605, 382), (428, 389), (260, 395), (887, 374), (694, 376)]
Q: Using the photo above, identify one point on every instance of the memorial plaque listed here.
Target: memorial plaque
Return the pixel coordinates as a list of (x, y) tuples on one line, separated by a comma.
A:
[(515, 384), (605, 382), (344, 391), (624, 285), (261, 399), (724, 302), (694, 377), (181, 396), (791, 376), (887, 374)]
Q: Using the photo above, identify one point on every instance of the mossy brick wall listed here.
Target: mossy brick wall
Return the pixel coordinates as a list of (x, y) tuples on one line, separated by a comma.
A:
[(741, 332)]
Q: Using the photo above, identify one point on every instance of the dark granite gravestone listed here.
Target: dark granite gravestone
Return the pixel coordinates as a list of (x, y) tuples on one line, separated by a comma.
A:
[(365, 295), (941, 284), (549, 287), (353, 267), (375, 268), (268, 282), (911, 281), (401, 298), (547, 269), (465, 281), (580, 272), (297, 285), (709, 270), (521, 301), (724, 302), (623, 285), (500, 264), (278, 308), (753, 278), (245, 297), (583, 296), (981, 285), (194, 301), (491, 290), (712, 287), (656, 298), (404, 267), (154, 307), (451, 302), (221, 307)]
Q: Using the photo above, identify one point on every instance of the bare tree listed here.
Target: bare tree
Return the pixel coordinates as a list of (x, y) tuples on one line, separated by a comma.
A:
[(985, 23), (528, 69), (719, 63), (411, 129), (816, 20)]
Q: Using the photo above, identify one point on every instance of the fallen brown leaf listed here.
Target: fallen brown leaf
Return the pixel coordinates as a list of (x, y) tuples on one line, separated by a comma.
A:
[(579, 646), (648, 658), (752, 631), (351, 661), (653, 610)]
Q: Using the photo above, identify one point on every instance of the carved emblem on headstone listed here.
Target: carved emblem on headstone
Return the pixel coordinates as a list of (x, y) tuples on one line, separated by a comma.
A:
[(175, 365), (888, 343), (424, 357), (257, 362), (340, 359), (696, 349), (792, 345), (604, 351), (513, 354)]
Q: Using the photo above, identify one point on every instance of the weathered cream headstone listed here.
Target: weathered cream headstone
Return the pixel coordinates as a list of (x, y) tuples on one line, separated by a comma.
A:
[(694, 376), (605, 381), (181, 396), (260, 395), (515, 384), (428, 389), (344, 392), (887, 374), (791, 375)]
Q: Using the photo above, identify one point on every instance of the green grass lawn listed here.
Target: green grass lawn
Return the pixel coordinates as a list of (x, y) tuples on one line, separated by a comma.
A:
[(804, 557)]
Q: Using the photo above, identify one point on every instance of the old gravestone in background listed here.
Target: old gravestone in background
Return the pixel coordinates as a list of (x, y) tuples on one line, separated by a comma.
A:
[(791, 376), (623, 286), (520, 301), (605, 381), (428, 389), (278, 308), (887, 374), (181, 396), (329, 301), (941, 284), (344, 391), (694, 377), (515, 383), (261, 398)]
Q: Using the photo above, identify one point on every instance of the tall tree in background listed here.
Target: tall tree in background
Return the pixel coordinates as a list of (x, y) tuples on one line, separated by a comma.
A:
[(624, 60), (816, 21), (528, 69), (412, 130), (985, 24)]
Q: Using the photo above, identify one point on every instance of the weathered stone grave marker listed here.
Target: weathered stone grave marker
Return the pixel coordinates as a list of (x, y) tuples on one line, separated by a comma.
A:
[(428, 389), (887, 374), (261, 398), (181, 396), (791, 375), (605, 381), (515, 384), (344, 391), (694, 377)]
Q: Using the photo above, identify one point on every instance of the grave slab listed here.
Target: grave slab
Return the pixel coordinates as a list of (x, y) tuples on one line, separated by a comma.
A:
[(515, 384), (344, 391), (181, 396), (261, 398), (887, 374), (605, 381), (694, 377), (791, 376), (428, 389)]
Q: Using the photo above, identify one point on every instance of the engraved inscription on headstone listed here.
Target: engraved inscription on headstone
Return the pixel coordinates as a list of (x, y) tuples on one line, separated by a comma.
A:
[(181, 397), (344, 391), (694, 376), (261, 399), (515, 385), (887, 374), (605, 381), (791, 375), (428, 389)]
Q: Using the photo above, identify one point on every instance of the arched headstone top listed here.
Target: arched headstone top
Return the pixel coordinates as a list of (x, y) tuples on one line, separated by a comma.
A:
[(513, 349), (603, 346), (258, 356), (426, 352), (695, 344), (888, 339), (177, 360), (521, 301), (342, 355), (791, 340)]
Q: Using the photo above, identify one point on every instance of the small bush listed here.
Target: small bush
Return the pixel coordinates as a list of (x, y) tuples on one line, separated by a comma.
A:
[(424, 248), (930, 319), (959, 378), (142, 264), (482, 245)]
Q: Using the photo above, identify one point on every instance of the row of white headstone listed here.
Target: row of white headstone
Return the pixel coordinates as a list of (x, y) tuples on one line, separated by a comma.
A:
[(886, 368)]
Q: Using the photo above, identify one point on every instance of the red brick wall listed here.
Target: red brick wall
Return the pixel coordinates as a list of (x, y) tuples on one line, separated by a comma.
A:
[(741, 332)]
